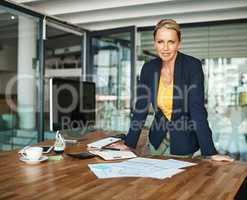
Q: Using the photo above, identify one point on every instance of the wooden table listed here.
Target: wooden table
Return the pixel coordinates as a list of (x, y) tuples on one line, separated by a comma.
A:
[(71, 179)]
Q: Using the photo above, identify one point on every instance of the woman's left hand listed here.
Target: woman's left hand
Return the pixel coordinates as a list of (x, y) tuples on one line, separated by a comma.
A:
[(218, 157)]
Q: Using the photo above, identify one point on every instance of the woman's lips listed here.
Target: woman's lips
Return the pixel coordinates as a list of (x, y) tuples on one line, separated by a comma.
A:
[(165, 54)]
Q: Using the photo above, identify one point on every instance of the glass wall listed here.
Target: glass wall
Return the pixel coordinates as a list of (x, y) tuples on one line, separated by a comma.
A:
[(111, 71), (223, 52), (19, 70), (21, 82), (63, 60)]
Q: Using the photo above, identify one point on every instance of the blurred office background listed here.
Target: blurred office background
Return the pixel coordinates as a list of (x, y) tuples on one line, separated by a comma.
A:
[(114, 41)]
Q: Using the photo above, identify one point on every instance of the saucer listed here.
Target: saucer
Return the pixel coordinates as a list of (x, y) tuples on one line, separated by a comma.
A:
[(33, 162)]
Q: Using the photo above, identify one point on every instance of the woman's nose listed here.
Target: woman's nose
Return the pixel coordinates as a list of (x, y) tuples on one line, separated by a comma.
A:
[(165, 47)]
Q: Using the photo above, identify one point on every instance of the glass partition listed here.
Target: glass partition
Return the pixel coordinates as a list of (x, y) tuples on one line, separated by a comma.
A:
[(24, 108), (111, 71), (19, 69), (64, 62)]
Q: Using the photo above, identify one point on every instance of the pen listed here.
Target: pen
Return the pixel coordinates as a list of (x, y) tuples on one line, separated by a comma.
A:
[(109, 148)]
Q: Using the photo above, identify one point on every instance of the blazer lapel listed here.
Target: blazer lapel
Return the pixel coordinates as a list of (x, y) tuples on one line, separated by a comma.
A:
[(157, 69), (177, 86)]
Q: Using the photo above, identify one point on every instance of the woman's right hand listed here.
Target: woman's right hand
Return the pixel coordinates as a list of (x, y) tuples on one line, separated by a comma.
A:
[(218, 157), (120, 146)]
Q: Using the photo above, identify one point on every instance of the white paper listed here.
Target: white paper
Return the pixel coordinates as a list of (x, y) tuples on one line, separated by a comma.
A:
[(140, 167), (169, 163), (103, 142), (111, 170)]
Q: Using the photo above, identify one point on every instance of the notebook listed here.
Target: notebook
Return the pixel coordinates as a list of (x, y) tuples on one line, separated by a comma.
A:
[(113, 155), (103, 142)]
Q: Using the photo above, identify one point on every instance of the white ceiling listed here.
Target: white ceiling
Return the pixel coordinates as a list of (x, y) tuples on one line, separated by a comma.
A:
[(227, 40), (99, 14)]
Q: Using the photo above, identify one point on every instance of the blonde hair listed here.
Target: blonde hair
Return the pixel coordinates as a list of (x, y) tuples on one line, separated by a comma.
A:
[(169, 24)]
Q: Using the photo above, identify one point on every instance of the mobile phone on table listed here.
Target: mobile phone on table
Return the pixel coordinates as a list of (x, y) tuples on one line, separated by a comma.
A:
[(47, 149)]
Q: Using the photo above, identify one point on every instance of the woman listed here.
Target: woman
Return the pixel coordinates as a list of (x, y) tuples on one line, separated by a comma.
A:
[(174, 85)]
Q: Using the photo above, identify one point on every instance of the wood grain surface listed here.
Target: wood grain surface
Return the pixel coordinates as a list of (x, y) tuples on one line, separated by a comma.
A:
[(71, 178)]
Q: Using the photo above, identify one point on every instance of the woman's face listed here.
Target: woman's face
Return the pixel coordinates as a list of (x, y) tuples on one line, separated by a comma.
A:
[(167, 44)]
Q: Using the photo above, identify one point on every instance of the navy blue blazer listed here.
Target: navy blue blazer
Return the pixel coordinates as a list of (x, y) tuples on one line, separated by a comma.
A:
[(189, 129)]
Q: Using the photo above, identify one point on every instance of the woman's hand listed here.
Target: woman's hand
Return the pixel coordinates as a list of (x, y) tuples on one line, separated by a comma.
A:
[(218, 157), (120, 146)]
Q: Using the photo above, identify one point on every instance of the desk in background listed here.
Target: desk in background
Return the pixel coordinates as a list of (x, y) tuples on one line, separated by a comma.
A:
[(71, 179)]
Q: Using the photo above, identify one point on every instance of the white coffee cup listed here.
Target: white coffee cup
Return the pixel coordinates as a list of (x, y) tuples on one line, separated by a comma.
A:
[(32, 153)]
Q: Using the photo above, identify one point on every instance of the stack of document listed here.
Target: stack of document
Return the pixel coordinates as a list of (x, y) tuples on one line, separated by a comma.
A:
[(140, 167)]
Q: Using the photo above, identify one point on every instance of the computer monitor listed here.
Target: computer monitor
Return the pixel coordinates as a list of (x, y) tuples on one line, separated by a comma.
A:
[(72, 104)]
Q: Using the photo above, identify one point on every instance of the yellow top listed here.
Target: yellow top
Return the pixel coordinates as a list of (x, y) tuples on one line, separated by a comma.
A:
[(165, 98)]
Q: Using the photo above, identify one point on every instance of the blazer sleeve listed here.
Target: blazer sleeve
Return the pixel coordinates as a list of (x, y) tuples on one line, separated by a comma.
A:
[(198, 111), (140, 110)]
